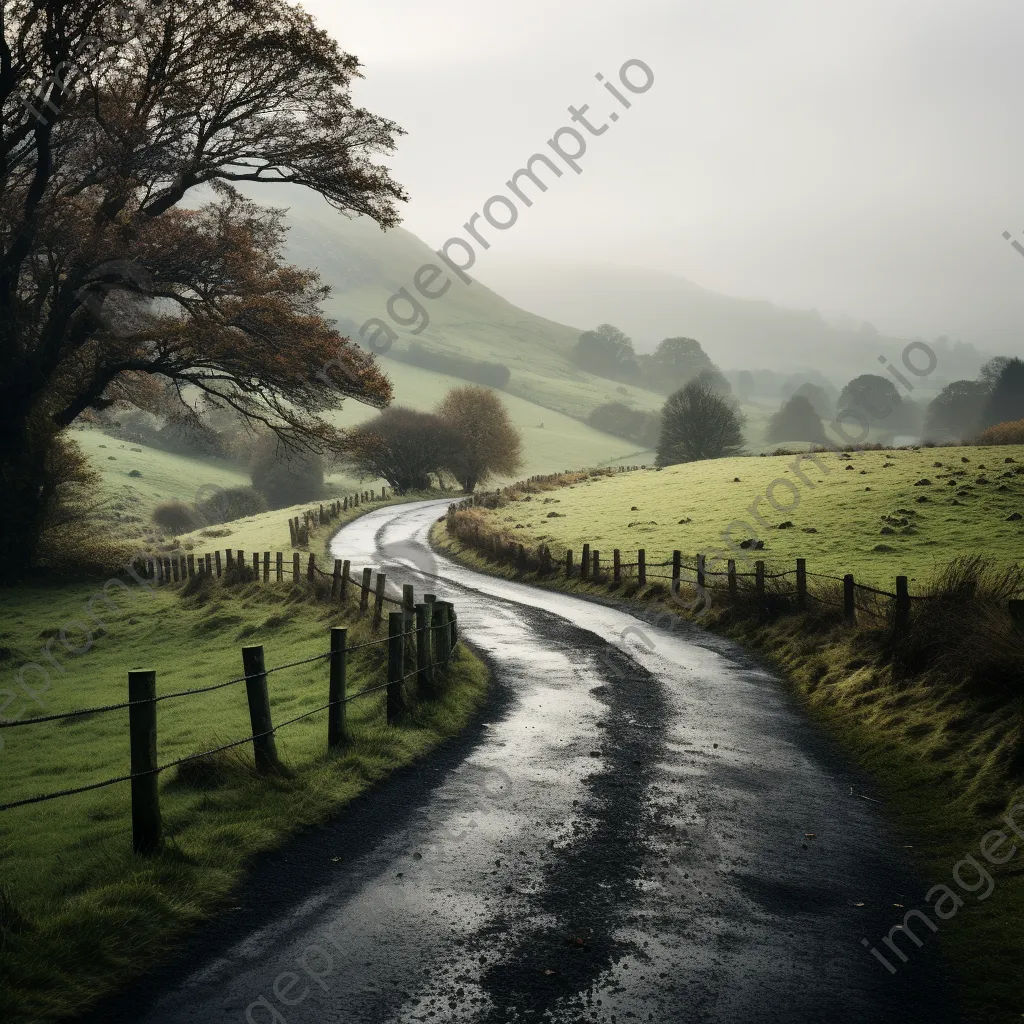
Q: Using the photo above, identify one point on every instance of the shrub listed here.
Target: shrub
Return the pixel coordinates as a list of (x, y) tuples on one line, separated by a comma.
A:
[(286, 476), (620, 420), (1003, 433), (230, 503), (963, 628), (175, 517)]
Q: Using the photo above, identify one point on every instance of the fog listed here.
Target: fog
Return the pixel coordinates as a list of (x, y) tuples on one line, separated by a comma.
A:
[(862, 159)]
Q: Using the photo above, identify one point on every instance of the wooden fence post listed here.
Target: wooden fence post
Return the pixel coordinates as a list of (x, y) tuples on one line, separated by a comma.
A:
[(849, 601), (241, 559), (209, 565), (677, 570), (296, 569), (346, 566), (216, 556), (568, 563), (617, 565), (311, 568), (595, 573), (336, 694), (409, 599), (731, 570), (336, 579), (142, 737), (801, 583), (902, 619), (264, 747), (175, 569), (279, 566), (266, 566), (364, 596), (191, 562), (256, 565), (291, 532), (759, 581), (585, 562), (424, 678), (641, 567), (442, 634), (396, 663), (378, 604), (701, 574)]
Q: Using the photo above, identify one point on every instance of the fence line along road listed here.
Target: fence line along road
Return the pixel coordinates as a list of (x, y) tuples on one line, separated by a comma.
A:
[(300, 527), (421, 641), (590, 570)]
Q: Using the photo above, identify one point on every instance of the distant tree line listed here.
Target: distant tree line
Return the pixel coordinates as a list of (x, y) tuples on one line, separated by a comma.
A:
[(608, 352), (491, 375)]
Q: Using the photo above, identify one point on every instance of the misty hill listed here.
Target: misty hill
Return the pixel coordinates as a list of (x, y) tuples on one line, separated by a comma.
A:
[(737, 333), (365, 267)]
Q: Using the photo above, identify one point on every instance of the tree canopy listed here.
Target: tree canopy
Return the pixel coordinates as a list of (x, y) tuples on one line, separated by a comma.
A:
[(404, 447), (1005, 403), (698, 423), (796, 420), (955, 414), (607, 352), (491, 444), (111, 289), (678, 360)]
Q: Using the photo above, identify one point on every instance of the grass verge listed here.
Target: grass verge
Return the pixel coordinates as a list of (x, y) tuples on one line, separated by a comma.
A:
[(80, 914), (943, 740)]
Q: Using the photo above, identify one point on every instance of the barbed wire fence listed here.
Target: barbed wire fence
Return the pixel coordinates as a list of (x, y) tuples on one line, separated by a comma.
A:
[(420, 643)]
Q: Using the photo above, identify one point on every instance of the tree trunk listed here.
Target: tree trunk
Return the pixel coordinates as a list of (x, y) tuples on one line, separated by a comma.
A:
[(21, 506)]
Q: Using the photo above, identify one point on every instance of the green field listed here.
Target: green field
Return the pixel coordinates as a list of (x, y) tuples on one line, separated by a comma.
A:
[(844, 501), (552, 441), (79, 913)]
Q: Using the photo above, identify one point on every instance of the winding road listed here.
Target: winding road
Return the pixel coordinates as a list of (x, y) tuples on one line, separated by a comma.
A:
[(641, 826)]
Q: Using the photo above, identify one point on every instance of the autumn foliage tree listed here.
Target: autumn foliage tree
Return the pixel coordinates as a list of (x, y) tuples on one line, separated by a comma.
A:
[(490, 442), (116, 283)]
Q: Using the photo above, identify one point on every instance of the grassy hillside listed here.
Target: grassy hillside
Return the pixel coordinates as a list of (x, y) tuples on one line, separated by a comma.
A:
[(551, 441), (840, 524), (79, 914), (365, 267)]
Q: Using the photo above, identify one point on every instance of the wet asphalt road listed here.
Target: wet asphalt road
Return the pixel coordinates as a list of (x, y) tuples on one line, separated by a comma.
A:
[(640, 827)]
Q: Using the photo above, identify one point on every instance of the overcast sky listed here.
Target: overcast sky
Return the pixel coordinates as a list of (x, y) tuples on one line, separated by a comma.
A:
[(861, 158)]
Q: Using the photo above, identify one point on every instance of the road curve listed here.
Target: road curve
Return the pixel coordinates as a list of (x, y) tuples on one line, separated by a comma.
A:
[(641, 827)]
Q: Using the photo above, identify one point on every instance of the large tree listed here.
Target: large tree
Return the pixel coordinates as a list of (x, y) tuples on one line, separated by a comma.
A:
[(698, 423), (404, 447), (955, 413), (111, 287), (1005, 404), (490, 442), (796, 420), (874, 401), (676, 361), (607, 352)]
